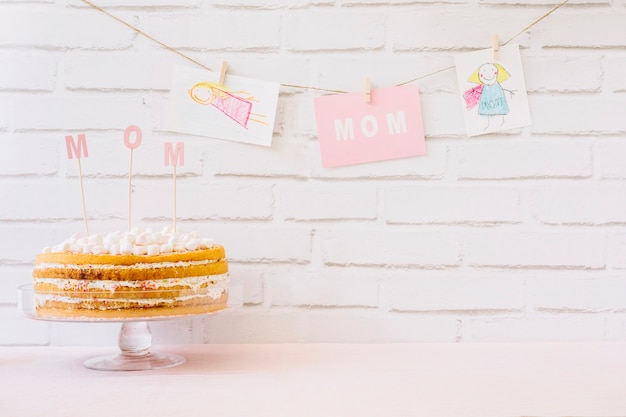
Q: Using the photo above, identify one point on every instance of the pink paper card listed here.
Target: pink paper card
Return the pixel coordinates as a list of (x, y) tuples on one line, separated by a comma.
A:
[(353, 131)]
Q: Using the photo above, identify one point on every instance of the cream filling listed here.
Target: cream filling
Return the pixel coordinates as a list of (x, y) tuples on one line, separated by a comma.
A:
[(81, 285), (154, 265), (217, 285), (41, 299)]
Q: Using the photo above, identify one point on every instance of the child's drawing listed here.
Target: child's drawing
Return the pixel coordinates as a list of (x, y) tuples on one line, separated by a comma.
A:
[(488, 106), (489, 94), (242, 110), (236, 105)]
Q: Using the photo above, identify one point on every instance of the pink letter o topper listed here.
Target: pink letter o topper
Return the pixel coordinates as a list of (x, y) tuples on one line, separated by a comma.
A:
[(127, 133)]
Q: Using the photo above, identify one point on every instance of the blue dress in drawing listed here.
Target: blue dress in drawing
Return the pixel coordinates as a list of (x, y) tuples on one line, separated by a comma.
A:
[(492, 101), (488, 94)]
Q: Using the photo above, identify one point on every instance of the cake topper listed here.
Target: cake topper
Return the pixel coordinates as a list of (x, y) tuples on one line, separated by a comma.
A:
[(76, 149), (174, 156), (131, 145)]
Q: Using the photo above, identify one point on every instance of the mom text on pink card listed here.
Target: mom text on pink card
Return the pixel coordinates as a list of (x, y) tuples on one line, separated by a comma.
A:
[(353, 131)]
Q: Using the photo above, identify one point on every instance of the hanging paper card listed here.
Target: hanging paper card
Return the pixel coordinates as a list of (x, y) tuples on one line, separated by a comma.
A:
[(492, 92), (242, 110), (353, 131)]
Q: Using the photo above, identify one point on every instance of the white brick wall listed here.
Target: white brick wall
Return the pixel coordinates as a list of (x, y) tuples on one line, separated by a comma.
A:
[(517, 236)]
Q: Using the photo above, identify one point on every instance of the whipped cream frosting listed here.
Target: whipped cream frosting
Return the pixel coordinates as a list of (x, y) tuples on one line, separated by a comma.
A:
[(136, 241)]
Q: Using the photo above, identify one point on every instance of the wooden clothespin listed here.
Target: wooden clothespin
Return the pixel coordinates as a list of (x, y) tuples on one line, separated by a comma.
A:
[(368, 90), (495, 47), (223, 72)]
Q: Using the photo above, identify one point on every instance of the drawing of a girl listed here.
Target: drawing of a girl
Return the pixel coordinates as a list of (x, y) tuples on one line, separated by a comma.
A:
[(489, 94), (235, 105)]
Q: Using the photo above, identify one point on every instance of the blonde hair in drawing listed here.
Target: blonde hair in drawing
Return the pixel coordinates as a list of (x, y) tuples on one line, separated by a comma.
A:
[(237, 105), (479, 78)]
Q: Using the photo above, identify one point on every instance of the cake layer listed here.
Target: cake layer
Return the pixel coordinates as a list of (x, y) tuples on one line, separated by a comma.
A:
[(216, 252), (212, 285), (125, 272), (104, 309)]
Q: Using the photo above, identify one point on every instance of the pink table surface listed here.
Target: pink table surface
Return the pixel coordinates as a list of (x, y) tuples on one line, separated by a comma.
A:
[(431, 380)]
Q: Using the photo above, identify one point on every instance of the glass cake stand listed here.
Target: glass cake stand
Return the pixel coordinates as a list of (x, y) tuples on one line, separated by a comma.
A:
[(135, 337)]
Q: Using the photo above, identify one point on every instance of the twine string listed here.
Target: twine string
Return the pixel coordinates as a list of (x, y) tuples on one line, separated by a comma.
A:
[(169, 48)]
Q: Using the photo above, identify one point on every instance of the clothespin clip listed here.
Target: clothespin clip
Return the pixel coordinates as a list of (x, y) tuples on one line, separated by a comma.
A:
[(495, 47), (368, 90), (223, 72)]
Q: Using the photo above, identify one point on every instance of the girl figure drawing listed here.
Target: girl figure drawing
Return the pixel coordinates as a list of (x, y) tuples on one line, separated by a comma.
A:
[(236, 105), (488, 94)]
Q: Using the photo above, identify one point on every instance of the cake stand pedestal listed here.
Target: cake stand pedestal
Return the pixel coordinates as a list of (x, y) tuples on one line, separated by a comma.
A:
[(134, 341)]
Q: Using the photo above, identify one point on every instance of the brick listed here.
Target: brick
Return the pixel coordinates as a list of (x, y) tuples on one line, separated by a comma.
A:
[(119, 72), (139, 3), (347, 72), (329, 287), (568, 29), (102, 199), (281, 68), (13, 276), (64, 29), (353, 247), (28, 155), (609, 158), (430, 166), (217, 30), (275, 4), (254, 242), (443, 204), (6, 111), (21, 72), (426, 30), (614, 77), (593, 204), (26, 241), (298, 116), (15, 329), (326, 325), (585, 115), (253, 279), (570, 328), (343, 30), (570, 293), (76, 114), (441, 114), (436, 291), (545, 73), (518, 249), (397, 2), (81, 334), (511, 158), (283, 159), (326, 202), (616, 252), (203, 200), (616, 327)]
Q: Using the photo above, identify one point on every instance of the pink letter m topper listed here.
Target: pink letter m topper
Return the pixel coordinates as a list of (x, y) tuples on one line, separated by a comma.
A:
[(74, 148), (352, 131), (175, 156)]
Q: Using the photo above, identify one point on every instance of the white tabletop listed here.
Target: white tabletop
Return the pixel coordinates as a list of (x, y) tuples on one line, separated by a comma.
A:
[(432, 380)]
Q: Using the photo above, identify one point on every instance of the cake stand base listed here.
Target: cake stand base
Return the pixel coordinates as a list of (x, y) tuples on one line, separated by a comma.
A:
[(123, 362), (134, 342)]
